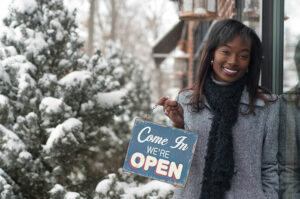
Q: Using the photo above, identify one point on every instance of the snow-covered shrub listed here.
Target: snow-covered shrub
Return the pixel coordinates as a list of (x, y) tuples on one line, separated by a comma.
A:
[(64, 117), (52, 105)]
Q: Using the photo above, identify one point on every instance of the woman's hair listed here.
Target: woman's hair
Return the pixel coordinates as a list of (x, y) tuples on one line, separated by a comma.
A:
[(221, 33)]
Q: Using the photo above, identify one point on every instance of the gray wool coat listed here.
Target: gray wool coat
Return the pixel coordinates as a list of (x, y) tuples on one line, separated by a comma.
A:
[(255, 142)]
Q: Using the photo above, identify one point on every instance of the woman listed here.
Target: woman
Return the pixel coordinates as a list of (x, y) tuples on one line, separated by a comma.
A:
[(236, 119)]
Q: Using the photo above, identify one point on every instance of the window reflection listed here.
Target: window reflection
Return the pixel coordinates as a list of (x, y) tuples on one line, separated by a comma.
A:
[(289, 139), (289, 132), (251, 14)]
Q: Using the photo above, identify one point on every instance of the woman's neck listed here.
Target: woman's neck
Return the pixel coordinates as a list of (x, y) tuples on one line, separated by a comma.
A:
[(219, 82)]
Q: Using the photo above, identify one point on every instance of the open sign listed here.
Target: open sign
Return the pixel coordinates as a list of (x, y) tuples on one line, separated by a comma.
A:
[(160, 152)]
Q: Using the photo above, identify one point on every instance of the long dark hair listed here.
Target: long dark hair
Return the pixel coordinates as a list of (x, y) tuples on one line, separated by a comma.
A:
[(222, 32)]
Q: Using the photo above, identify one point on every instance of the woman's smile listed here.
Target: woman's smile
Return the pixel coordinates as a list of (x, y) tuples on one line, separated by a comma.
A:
[(228, 71)]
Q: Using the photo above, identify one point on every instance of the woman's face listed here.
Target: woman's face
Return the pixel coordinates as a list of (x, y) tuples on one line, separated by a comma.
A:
[(231, 60)]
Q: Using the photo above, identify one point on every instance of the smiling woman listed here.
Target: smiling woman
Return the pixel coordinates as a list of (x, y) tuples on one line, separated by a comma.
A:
[(235, 118)]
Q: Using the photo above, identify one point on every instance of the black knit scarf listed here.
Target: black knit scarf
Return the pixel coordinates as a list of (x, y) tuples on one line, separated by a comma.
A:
[(219, 161)]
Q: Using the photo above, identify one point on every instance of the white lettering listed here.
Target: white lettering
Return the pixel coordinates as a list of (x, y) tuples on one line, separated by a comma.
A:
[(152, 150), (150, 162), (162, 167), (141, 159), (140, 133), (151, 138), (164, 153), (180, 144), (175, 171)]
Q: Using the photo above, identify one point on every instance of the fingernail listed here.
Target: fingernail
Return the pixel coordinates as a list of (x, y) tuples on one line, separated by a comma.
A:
[(166, 112)]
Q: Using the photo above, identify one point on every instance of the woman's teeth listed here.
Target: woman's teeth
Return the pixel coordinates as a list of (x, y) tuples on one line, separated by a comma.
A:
[(230, 70)]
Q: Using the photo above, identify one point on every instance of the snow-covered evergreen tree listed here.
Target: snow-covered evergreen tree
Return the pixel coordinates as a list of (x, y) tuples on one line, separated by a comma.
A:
[(59, 129)]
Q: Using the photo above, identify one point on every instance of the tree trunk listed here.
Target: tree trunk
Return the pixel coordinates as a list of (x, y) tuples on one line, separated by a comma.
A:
[(114, 16), (90, 47)]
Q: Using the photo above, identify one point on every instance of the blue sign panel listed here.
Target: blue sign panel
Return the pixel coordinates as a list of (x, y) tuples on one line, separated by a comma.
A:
[(160, 152)]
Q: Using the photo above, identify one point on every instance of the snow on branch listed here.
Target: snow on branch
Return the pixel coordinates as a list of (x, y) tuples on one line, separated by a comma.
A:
[(76, 78), (64, 133), (11, 146), (111, 99), (25, 6)]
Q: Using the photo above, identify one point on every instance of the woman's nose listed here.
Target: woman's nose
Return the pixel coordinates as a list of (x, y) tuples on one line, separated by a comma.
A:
[(232, 59)]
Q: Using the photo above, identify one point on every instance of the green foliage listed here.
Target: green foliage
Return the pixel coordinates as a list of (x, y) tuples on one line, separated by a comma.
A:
[(65, 117)]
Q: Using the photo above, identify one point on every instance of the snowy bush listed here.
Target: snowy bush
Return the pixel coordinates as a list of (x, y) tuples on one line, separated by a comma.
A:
[(64, 117)]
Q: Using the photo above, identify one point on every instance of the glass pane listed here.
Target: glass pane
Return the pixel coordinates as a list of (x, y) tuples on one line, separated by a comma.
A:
[(289, 132), (251, 14), (187, 6), (199, 6), (291, 40)]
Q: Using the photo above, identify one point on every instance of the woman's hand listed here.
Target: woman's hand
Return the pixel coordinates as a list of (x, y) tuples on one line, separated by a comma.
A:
[(173, 110)]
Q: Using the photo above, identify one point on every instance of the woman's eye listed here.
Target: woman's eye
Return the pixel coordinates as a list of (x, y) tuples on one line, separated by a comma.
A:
[(244, 56), (226, 52)]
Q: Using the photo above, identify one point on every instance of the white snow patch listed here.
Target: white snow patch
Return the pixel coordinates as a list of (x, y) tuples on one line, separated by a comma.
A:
[(10, 50), (72, 195), (118, 72), (25, 155), (25, 81), (36, 44), (47, 80), (200, 11), (104, 185), (76, 77), (51, 105), (19, 63), (180, 53), (110, 99), (56, 188), (59, 29), (61, 130), (3, 101), (23, 6), (10, 140), (139, 191)]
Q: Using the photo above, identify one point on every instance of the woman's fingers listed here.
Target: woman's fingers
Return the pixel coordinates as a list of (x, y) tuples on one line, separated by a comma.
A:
[(162, 100), (171, 103), (171, 108)]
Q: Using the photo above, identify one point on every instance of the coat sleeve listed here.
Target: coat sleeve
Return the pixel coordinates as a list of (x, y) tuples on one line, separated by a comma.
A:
[(270, 179)]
